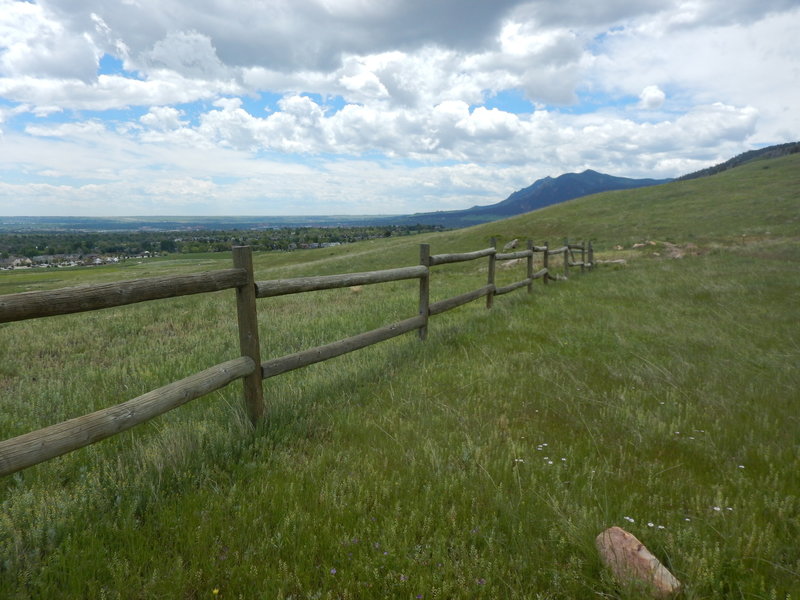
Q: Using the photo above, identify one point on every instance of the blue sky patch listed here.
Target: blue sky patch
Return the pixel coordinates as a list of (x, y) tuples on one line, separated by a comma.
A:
[(111, 65), (511, 101)]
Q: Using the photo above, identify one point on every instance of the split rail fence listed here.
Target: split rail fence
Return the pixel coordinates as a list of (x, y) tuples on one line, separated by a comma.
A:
[(38, 446)]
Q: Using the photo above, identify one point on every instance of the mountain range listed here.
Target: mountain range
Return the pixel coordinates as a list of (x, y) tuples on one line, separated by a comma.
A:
[(548, 191), (541, 193)]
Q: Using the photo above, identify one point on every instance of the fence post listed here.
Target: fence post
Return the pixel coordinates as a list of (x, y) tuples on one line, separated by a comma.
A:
[(566, 258), (424, 288), (583, 256), (492, 265), (530, 266), (546, 263), (248, 333), (591, 257)]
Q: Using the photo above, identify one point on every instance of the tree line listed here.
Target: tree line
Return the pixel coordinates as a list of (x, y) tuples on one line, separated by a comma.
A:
[(129, 243)]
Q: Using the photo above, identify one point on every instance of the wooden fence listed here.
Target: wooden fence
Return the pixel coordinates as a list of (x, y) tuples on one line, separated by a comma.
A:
[(37, 446)]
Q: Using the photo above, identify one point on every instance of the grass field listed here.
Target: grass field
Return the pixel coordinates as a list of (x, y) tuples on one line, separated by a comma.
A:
[(661, 397)]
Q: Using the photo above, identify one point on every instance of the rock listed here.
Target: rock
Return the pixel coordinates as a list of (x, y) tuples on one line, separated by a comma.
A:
[(509, 264), (631, 562), (511, 245)]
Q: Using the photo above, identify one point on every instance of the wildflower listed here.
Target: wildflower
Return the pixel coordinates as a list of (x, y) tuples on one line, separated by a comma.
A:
[(741, 466), (687, 519), (549, 462), (480, 581), (519, 460), (717, 508), (630, 520), (333, 571), (403, 577), (215, 591), (650, 525)]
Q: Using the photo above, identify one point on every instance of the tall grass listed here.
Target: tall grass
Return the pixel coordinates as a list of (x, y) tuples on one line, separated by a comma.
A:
[(661, 397)]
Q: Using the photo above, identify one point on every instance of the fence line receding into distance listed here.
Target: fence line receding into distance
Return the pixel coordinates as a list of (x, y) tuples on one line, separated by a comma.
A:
[(37, 446)]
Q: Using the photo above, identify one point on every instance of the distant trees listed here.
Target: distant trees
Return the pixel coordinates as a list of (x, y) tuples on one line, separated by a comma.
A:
[(133, 243)]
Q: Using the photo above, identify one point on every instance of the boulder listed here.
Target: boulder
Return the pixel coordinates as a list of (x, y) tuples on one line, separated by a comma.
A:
[(633, 564)]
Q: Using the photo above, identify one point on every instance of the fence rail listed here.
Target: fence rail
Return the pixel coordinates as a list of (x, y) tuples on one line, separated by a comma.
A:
[(48, 303), (32, 448)]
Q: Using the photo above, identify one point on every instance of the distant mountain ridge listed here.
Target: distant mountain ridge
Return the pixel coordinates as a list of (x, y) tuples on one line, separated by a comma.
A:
[(543, 192)]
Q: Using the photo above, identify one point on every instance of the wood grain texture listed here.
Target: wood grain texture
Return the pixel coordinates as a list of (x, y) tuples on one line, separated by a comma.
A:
[(280, 287), (37, 446), (511, 287), (514, 255), (437, 308), (276, 366), (443, 259), (249, 343), (31, 305)]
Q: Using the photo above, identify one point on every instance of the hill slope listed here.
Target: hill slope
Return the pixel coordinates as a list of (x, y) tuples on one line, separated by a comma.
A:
[(481, 463), (746, 157), (759, 199)]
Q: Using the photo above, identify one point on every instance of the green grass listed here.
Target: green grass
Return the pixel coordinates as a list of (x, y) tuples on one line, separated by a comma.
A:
[(660, 392)]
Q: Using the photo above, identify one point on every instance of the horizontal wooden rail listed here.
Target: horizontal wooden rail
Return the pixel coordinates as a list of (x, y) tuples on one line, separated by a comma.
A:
[(47, 303), (37, 446), (442, 259), (511, 287), (437, 308), (514, 255), (276, 366), (279, 287)]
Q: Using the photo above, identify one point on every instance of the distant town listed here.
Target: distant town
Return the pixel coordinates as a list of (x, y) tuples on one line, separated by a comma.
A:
[(42, 249)]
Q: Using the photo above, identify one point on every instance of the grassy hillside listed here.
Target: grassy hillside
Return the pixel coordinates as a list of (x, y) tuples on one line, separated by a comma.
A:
[(661, 397)]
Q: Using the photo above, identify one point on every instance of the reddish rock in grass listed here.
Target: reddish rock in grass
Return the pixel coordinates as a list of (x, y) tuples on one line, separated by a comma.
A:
[(633, 564)]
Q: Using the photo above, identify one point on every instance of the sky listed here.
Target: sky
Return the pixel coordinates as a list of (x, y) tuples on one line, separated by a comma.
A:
[(345, 107)]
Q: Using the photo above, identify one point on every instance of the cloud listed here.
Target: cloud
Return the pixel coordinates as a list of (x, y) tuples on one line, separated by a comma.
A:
[(380, 107), (187, 53), (163, 118), (652, 97), (35, 44)]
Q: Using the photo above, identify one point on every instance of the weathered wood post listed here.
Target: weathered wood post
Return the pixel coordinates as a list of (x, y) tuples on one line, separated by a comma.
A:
[(566, 258), (492, 267), (583, 256), (248, 333), (424, 288), (530, 266), (546, 263), (591, 257)]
